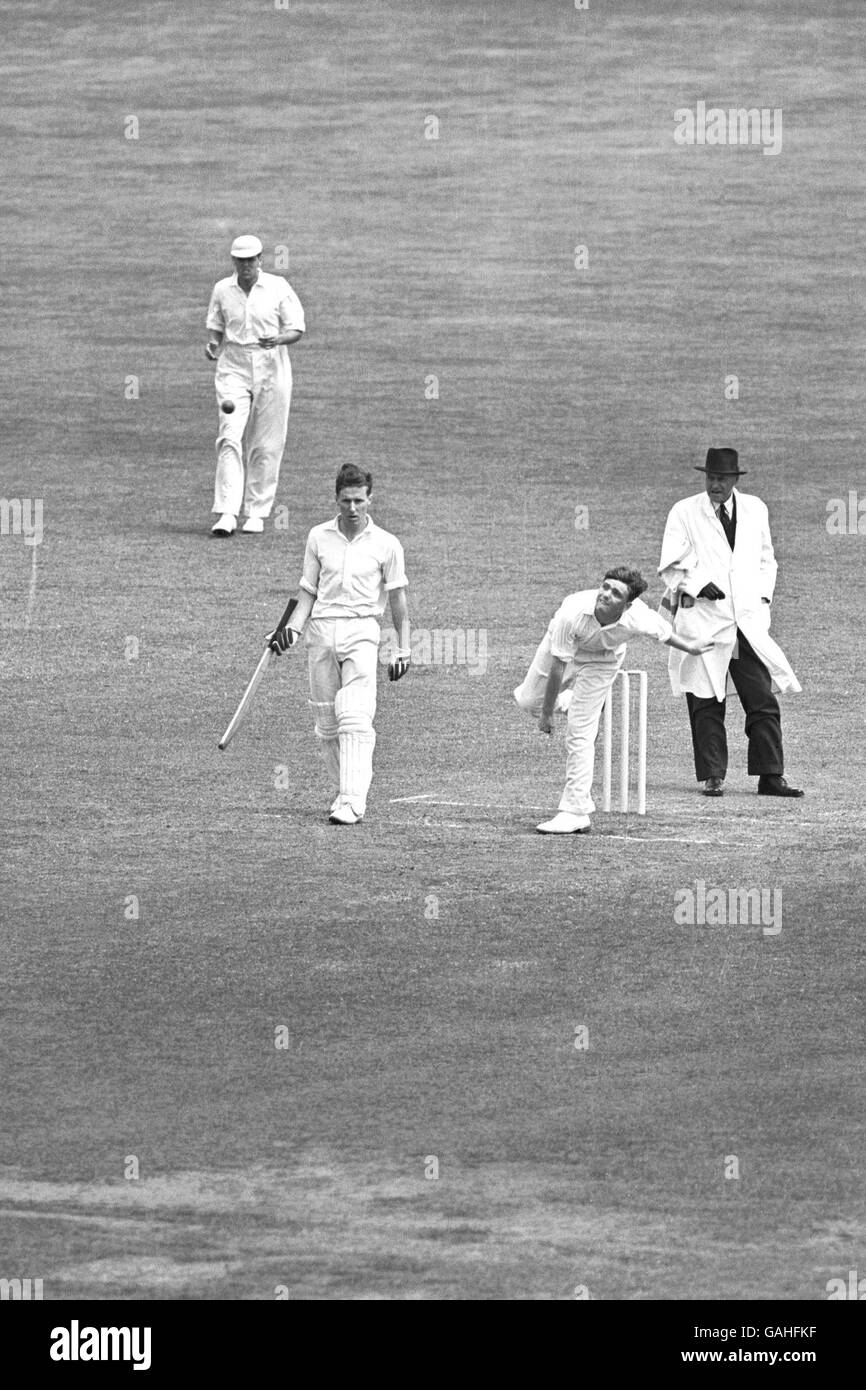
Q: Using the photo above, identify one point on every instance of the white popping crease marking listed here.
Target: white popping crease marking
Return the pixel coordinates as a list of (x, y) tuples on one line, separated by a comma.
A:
[(429, 800), (678, 840)]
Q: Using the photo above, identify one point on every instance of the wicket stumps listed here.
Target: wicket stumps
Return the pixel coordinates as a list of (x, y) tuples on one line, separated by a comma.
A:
[(625, 750)]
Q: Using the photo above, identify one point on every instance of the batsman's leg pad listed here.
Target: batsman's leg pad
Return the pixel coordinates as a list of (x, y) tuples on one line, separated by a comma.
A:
[(356, 769), (328, 735), (354, 707), (357, 741)]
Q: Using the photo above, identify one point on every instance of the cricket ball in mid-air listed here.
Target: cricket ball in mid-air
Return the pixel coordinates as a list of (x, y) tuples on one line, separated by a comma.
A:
[(227, 406)]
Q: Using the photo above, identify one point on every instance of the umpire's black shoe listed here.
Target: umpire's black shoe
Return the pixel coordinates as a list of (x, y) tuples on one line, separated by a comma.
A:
[(772, 784), (714, 786)]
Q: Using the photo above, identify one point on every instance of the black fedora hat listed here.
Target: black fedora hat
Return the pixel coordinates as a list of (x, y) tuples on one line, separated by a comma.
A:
[(721, 461)]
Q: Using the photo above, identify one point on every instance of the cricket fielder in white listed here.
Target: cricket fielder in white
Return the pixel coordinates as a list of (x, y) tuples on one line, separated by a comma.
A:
[(718, 564), (350, 565), (573, 669), (252, 319)]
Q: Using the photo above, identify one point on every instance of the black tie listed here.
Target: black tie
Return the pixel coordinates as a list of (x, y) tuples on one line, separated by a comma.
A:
[(727, 525)]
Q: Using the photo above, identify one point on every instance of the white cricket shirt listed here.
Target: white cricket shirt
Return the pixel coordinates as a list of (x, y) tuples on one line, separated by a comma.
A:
[(577, 635), (270, 308), (350, 579)]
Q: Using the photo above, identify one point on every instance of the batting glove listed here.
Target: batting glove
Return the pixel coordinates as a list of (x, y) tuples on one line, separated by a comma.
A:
[(281, 639), (398, 667)]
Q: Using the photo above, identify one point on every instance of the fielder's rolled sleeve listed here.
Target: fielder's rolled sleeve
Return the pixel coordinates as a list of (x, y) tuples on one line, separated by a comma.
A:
[(641, 620)]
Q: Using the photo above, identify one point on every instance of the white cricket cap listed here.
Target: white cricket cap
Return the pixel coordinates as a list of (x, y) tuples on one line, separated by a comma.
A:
[(245, 246)]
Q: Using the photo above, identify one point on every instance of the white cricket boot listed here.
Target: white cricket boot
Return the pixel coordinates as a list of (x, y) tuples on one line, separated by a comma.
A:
[(226, 525), (565, 823)]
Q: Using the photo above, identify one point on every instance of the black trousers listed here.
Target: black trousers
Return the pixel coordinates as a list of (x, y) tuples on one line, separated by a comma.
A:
[(763, 720)]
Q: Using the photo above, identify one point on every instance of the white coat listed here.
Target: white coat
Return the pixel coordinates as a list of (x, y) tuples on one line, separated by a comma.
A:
[(695, 552)]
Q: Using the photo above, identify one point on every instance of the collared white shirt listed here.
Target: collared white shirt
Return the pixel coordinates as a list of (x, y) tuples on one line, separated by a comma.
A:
[(577, 635), (270, 308), (350, 578)]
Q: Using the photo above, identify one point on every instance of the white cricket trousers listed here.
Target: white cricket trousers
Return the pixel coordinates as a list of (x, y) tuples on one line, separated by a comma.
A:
[(588, 683), (259, 381), (342, 657)]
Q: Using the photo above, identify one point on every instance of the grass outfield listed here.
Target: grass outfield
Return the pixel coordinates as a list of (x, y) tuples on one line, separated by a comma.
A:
[(432, 964)]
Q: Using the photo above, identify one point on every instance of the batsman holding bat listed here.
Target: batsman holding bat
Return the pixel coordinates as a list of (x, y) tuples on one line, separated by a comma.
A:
[(350, 564)]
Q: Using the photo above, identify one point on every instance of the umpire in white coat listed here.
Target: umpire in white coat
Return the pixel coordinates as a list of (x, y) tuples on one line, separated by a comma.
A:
[(718, 565)]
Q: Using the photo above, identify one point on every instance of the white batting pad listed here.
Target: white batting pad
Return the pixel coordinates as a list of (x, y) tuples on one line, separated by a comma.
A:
[(327, 734), (356, 768)]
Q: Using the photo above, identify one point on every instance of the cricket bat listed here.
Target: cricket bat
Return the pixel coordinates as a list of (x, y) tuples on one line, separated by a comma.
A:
[(247, 698)]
